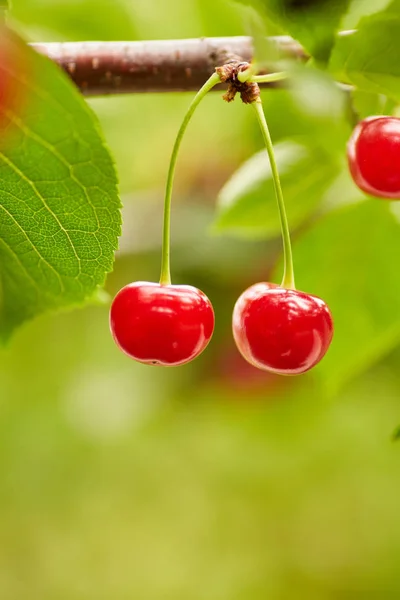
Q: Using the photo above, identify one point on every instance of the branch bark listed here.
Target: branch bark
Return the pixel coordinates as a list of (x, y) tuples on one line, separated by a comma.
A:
[(101, 68)]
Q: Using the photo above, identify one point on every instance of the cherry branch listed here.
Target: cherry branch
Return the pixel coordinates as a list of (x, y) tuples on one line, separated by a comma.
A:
[(100, 68)]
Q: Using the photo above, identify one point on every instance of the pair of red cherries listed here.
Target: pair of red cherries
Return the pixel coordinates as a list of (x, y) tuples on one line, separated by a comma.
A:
[(280, 330)]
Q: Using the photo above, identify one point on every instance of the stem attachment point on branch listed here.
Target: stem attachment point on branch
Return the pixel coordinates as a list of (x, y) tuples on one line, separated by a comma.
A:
[(229, 73)]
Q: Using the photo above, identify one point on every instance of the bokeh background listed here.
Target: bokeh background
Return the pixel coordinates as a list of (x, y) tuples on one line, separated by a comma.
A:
[(211, 481)]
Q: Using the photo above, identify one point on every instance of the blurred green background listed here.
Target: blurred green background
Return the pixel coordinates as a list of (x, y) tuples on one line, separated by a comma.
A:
[(211, 481)]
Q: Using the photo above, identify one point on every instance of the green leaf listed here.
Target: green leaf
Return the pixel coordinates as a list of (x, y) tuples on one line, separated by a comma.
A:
[(247, 203), (348, 259), (362, 8), (59, 206), (366, 104), (312, 22), (369, 57)]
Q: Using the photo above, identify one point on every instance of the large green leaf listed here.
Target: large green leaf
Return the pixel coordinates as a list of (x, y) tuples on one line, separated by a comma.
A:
[(247, 203), (350, 260), (311, 22), (59, 205), (369, 58), (362, 8)]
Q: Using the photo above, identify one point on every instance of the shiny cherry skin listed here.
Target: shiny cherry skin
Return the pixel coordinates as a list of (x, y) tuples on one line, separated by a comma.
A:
[(373, 154), (281, 330), (158, 324)]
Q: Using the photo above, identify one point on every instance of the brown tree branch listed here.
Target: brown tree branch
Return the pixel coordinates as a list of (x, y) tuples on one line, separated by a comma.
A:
[(100, 68)]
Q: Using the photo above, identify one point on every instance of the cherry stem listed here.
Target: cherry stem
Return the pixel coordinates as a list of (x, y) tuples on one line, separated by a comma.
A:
[(248, 75), (165, 278), (288, 272), (269, 78)]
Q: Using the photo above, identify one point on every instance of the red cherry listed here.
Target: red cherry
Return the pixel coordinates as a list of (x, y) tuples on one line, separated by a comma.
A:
[(281, 330), (161, 324), (373, 153)]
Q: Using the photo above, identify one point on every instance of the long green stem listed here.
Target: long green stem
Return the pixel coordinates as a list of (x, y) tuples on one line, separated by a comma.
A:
[(165, 277), (288, 273), (269, 78), (248, 75)]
